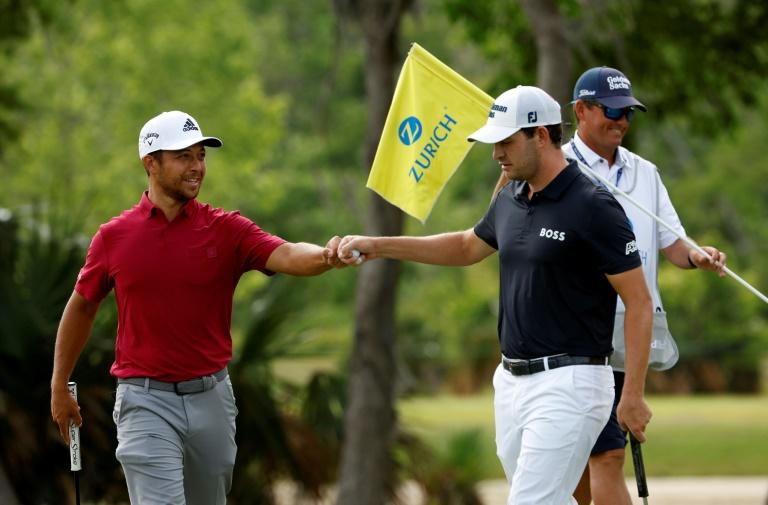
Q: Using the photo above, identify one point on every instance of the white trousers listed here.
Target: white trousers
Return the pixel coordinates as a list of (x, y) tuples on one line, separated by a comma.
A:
[(546, 425)]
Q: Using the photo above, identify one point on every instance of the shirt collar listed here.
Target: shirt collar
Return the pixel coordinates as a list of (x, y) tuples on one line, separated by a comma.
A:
[(591, 157), (556, 187), (146, 206), (149, 209)]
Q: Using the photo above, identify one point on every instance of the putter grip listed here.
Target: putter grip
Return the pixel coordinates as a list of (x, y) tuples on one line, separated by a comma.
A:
[(637, 460), (75, 464)]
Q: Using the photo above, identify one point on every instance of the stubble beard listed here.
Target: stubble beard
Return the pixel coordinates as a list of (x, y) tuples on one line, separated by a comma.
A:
[(528, 166), (174, 189)]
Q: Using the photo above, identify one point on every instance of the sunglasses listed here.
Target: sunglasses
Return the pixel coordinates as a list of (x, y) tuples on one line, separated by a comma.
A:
[(615, 114)]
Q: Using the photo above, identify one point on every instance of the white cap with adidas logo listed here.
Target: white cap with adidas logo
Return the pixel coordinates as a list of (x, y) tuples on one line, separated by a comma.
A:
[(171, 131)]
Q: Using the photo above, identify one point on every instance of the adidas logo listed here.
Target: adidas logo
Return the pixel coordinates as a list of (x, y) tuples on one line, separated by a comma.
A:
[(189, 125)]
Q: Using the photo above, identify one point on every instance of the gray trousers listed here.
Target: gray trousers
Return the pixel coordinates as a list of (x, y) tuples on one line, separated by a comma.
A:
[(176, 450)]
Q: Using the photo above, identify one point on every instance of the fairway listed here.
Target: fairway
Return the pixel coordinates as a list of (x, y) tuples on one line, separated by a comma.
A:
[(688, 435)]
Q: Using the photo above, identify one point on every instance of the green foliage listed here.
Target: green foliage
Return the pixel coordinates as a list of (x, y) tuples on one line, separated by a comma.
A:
[(282, 431), (688, 435), (38, 268), (501, 30), (17, 18), (689, 60), (89, 85), (721, 197), (449, 470)]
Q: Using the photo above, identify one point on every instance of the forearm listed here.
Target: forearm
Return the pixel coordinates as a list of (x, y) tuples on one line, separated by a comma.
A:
[(632, 411), (678, 254), (301, 259), (74, 328), (447, 249), (638, 324)]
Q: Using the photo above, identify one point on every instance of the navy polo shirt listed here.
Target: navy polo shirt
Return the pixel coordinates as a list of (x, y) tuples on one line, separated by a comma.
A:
[(554, 251)]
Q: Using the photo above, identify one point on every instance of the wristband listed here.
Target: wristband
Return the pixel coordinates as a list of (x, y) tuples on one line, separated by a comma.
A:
[(693, 265)]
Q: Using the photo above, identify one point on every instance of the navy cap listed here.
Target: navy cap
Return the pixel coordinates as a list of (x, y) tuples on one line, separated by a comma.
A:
[(607, 86)]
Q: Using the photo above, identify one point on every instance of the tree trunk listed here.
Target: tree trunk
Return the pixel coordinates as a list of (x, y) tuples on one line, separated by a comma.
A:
[(370, 422), (553, 51)]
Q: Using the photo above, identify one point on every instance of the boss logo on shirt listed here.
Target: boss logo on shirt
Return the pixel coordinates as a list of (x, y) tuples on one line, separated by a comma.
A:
[(553, 234), (631, 247)]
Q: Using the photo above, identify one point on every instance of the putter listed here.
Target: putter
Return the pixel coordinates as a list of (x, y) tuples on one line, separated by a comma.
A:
[(637, 460), (75, 464)]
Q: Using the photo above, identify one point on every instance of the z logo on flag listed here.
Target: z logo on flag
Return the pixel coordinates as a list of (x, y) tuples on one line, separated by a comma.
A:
[(410, 130)]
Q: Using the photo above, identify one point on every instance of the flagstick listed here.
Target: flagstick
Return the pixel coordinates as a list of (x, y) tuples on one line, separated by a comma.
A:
[(685, 239)]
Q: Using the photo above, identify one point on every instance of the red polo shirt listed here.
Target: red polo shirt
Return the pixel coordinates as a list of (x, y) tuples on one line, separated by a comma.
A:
[(174, 284)]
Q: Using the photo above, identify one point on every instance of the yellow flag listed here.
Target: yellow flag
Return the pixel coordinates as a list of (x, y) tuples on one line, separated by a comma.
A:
[(425, 136)]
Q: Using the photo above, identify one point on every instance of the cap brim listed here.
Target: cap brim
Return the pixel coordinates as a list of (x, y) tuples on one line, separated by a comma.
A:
[(490, 134), (206, 141), (619, 102)]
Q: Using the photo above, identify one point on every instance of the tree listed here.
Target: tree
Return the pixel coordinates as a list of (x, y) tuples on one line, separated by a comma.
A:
[(370, 418), (554, 56)]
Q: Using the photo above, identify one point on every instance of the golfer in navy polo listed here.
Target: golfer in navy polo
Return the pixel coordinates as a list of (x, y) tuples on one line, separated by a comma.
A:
[(173, 263), (565, 251)]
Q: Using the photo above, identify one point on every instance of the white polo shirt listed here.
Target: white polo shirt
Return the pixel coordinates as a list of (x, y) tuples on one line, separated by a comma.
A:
[(640, 179)]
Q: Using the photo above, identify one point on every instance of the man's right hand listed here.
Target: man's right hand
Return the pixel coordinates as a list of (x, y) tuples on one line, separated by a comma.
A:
[(633, 415), (63, 409), (363, 246)]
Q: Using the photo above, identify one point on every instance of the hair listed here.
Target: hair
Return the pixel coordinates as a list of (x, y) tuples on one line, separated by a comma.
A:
[(158, 156), (555, 132), (588, 103)]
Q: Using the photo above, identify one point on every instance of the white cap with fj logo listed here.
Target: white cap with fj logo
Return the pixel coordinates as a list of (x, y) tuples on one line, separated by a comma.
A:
[(171, 131), (517, 108)]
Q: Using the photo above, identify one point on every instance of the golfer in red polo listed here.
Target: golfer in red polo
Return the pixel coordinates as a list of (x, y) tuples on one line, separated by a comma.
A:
[(174, 264)]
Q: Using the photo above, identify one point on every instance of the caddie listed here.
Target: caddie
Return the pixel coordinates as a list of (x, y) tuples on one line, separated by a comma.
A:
[(604, 106)]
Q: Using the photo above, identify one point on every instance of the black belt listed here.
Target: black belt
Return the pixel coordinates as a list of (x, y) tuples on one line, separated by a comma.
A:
[(197, 385), (536, 365)]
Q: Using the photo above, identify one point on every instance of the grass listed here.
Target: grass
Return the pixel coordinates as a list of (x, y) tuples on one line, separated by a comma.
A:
[(688, 436)]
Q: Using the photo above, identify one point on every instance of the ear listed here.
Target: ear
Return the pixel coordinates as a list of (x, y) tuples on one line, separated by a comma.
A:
[(542, 136), (150, 163), (579, 109)]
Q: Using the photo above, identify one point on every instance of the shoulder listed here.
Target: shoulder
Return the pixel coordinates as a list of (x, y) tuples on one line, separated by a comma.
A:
[(120, 222), (586, 187), (218, 217), (635, 160), (210, 213), (594, 201)]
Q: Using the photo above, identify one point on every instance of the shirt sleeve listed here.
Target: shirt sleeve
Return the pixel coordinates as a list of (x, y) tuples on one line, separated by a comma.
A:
[(610, 236), (669, 215), (486, 228), (94, 281), (255, 245)]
